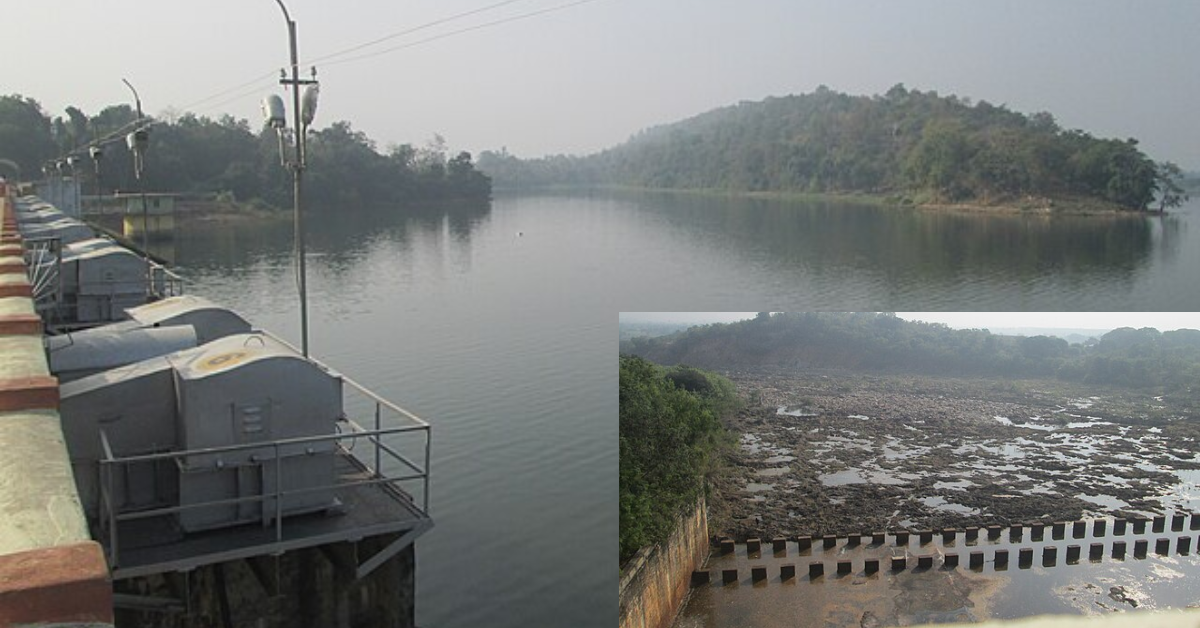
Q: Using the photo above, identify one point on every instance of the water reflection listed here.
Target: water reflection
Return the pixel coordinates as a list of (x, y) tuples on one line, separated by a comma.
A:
[(823, 235)]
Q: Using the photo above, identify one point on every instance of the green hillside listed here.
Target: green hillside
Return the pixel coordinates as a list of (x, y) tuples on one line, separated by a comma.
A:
[(916, 146)]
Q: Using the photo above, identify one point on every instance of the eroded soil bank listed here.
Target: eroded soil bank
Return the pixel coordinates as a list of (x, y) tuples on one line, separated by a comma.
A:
[(832, 453)]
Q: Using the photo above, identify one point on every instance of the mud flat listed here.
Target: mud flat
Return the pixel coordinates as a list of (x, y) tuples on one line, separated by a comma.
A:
[(830, 453)]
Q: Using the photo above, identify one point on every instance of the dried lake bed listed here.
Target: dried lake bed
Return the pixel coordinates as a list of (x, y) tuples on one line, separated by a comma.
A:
[(832, 453)]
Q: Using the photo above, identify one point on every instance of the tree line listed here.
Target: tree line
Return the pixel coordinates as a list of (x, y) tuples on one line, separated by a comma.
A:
[(226, 156), (882, 342), (669, 432), (918, 146)]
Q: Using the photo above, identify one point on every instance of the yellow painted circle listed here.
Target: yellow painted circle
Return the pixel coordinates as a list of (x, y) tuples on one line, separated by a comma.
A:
[(221, 361)]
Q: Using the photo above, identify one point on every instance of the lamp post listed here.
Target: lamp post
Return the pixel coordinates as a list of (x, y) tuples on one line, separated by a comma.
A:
[(96, 153), (138, 141), (301, 118)]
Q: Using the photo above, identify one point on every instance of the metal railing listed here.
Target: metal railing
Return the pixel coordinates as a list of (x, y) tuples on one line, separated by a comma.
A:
[(347, 434)]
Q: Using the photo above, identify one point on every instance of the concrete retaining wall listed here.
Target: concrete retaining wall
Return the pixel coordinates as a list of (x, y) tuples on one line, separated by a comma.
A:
[(51, 572), (656, 579)]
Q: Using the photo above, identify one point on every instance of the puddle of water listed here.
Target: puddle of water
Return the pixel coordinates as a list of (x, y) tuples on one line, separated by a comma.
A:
[(1003, 420), (797, 411), (1108, 501), (865, 476), (940, 503), (957, 485), (772, 472), (860, 417), (754, 487), (779, 459)]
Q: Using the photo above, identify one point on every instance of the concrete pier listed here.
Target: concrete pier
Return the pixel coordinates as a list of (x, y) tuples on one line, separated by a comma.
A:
[(1160, 523), (779, 546), (1058, 530), (1139, 526), (1177, 522), (816, 570), (950, 561), (844, 567), (753, 546), (1049, 556), (1183, 545), (994, 532), (1195, 521), (899, 563), (902, 538), (1096, 551), (1139, 548), (976, 560), (1001, 557), (758, 573), (729, 576), (926, 536), (1025, 557), (727, 546), (1037, 531), (925, 562), (803, 543), (1015, 532), (701, 577), (1162, 547), (871, 565), (1098, 527), (1078, 529), (1072, 554), (1118, 549), (972, 533), (1119, 527), (787, 572), (829, 541)]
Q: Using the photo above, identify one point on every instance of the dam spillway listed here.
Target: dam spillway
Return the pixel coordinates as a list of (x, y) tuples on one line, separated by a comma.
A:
[(129, 501)]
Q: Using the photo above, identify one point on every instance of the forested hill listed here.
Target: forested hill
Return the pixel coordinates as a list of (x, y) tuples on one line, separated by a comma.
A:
[(887, 344), (916, 145), (197, 155)]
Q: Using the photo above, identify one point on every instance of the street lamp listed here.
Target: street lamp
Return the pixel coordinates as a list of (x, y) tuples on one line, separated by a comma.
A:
[(302, 117), (138, 141), (96, 153)]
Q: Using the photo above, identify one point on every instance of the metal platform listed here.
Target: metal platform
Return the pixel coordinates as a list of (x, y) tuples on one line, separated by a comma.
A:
[(155, 544)]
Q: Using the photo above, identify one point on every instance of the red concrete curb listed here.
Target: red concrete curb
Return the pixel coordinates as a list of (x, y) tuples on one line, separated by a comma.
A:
[(55, 585), (29, 393), (22, 289), (21, 325)]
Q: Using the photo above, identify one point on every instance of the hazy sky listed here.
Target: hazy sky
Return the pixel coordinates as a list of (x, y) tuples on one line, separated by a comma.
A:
[(586, 77), (1162, 321)]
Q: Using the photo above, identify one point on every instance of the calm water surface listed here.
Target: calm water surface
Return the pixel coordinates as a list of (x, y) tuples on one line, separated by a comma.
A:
[(496, 324)]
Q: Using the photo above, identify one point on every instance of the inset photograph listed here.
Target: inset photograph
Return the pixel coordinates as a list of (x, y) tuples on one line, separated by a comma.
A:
[(892, 468)]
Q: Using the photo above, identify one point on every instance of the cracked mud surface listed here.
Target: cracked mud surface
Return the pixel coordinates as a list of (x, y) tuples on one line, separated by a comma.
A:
[(830, 453)]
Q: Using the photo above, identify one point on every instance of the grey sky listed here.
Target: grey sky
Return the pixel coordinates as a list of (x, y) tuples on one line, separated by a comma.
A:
[(587, 77), (1162, 321)]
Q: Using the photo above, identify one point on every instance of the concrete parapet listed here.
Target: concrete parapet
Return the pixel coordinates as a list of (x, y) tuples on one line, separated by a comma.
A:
[(1160, 523), (61, 585), (1184, 545), (925, 562), (871, 565), (779, 545), (994, 532), (701, 577), (950, 561), (1072, 554), (816, 570), (899, 563), (1098, 527), (1078, 529), (901, 538), (972, 533), (804, 543), (1015, 532), (926, 536), (844, 567), (1025, 557), (1001, 557), (753, 546), (829, 541), (1058, 530), (1049, 556), (787, 572), (758, 573), (1139, 548), (1096, 551), (1118, 549), (1162, 547), (1037, 531), (1119, 527), (1139, 525), (729, 576), (1195, 521), (727, 546), (1177, 522), (948, 535), (878, 538), (976, 560), (38, 500)]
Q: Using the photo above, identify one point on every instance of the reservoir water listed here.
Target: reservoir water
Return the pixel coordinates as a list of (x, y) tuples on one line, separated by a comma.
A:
[(497, 325)]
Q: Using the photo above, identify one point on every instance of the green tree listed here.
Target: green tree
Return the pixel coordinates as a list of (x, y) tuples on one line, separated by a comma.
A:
[(1167, 182)]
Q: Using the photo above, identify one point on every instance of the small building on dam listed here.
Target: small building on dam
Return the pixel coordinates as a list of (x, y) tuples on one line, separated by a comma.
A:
[(169, 464)]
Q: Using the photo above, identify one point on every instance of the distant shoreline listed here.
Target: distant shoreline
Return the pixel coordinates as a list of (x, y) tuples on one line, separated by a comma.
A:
[(1034, 205)]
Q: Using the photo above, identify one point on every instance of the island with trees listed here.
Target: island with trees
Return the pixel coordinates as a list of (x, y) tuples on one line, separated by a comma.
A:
[(904, 146)]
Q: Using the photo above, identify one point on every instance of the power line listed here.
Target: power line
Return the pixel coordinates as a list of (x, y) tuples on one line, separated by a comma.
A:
[(460, 31), (409, 31), (257, 82)]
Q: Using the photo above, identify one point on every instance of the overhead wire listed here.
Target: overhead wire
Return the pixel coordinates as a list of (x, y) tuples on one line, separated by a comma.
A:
[(460, 31)]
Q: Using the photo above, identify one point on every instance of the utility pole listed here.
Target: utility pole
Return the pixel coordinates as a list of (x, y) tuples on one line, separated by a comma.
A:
[(300, 120)]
